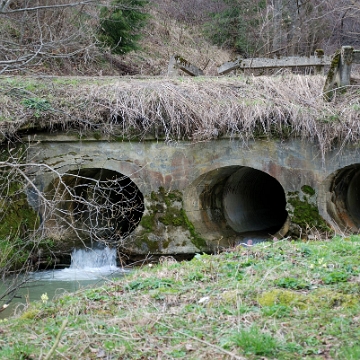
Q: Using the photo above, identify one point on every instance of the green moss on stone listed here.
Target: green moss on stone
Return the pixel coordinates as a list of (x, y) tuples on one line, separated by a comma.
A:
[(166, 208), (304, 213), (175, 196), (17, 219), (165, 244), (154, 196), (148, 222), (306, 189), (151, 245), (197, 240), (172, 216), (329, 83)]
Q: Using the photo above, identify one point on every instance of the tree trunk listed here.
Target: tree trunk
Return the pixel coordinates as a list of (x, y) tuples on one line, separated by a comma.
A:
[(277, 21)]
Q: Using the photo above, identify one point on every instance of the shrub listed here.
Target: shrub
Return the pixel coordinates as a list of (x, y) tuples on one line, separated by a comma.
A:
[(120, 25)]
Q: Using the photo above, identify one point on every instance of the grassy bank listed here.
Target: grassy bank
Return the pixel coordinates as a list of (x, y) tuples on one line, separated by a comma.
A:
[(283, 300)]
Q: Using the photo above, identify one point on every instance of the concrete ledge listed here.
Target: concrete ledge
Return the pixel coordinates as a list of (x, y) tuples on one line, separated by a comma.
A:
[(178, 62), (267, 63)]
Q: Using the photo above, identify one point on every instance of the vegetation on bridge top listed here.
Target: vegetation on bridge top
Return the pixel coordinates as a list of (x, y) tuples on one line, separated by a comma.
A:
[(198, 109)]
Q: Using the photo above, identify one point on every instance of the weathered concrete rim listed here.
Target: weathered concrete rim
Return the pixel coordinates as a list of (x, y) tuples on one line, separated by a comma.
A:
[(233, 201), (339, 199)]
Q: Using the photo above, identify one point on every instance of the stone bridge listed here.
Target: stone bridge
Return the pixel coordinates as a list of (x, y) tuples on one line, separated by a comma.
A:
[(204, 196)]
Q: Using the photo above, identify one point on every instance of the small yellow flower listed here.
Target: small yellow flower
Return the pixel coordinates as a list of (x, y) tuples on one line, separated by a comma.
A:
[(44, 298), (312, 266)]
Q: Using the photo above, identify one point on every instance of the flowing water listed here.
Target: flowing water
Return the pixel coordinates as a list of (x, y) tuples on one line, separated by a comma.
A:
[(88, 268)]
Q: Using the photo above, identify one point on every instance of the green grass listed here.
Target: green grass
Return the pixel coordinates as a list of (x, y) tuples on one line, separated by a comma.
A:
[(283, 300)]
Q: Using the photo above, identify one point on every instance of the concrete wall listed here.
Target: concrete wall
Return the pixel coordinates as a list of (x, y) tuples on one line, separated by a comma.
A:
[(201, 196)]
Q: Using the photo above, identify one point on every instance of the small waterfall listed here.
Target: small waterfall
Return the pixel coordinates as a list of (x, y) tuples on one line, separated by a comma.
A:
[(86, 264), (93, 258), (88, 268)]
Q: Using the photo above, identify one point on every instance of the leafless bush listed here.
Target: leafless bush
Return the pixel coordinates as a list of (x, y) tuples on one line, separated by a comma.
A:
[(40, 32), (94, 208)]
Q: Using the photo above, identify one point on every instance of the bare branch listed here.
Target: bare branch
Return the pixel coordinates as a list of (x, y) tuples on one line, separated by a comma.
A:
[(4, 11)]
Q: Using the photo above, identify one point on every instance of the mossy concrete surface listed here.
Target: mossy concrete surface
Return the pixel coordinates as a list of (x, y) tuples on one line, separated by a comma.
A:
[(18, 220), (304, 213), (174, 177), (164, 227)]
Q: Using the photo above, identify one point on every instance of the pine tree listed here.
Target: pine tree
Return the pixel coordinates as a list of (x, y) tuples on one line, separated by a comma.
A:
[(120, 25)]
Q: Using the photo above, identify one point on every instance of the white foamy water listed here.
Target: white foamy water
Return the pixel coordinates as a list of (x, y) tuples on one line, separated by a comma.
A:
[(88, 268), (90, 264)]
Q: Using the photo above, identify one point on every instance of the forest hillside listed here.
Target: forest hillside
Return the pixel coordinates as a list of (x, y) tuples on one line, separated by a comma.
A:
[(128, 37)]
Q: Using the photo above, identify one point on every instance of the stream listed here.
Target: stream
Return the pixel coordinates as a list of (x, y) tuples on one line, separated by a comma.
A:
[(88, 268)]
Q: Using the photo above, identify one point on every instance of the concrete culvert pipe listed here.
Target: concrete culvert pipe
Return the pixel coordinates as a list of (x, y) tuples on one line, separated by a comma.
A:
[(343, 204), (254, 201), (103, 204)]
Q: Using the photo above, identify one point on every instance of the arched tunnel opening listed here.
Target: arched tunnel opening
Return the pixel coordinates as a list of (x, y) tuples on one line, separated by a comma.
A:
[(244, 201), (98, 204), (343, 203)]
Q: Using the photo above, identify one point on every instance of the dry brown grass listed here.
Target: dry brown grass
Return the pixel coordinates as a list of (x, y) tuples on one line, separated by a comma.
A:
[(183, 108), (164, 37)]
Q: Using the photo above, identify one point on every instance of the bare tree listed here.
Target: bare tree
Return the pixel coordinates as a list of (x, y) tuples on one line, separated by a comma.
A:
[(35, 32), (286, 27), (301, 26), (59, 33)]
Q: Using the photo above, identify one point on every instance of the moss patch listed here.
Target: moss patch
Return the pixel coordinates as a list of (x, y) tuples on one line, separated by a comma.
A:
[(17, 219), (306, 189), (163, 209), (322, 298), (149, 245), (197, 240), (303, 212), (283, 297), (164, 214)]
